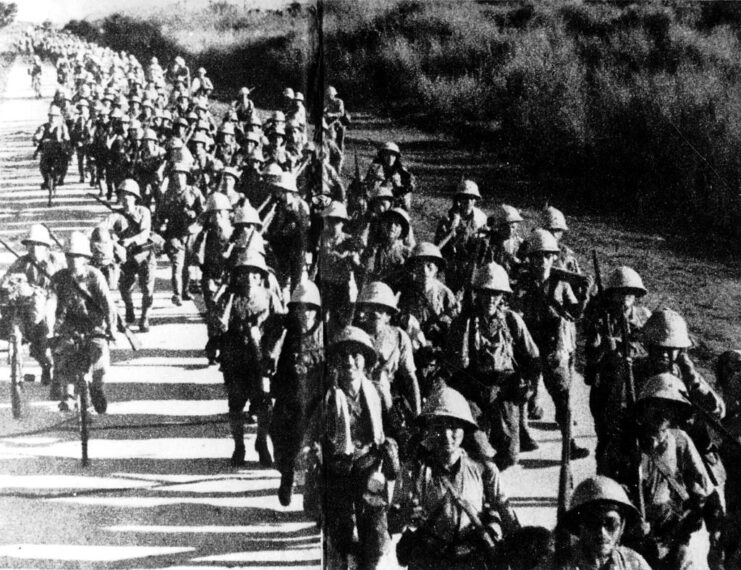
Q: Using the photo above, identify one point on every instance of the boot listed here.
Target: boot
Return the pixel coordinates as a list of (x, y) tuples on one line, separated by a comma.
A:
[(46, 375), (261, 446), (144, 321), (130, 315), (237, 427), (264, 415), (97, 397), (286, 488)]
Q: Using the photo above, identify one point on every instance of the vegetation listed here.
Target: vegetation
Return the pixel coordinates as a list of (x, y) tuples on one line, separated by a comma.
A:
[(8, 12), (624, 106)]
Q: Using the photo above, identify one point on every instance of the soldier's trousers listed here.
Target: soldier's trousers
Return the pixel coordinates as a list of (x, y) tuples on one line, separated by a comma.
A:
[(558, 370), (74, 358), (287, 428), (144, 271), (344, 509), (179, 250), (502, 418), (209, 286)]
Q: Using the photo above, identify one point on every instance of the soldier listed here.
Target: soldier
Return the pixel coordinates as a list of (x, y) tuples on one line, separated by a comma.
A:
[(216, 237), (202, 85), (359, 459), (84, 325), (387, 167), (503, 245), (150, 168), (669, 470), (456, 233), (384, 260), (427, 299), (204, 167), (227, 151), (495, 361), (441, 534), (182, 205), (298, 383), (36, 316), (554, 221), (247, 311), (334, 112), (81, 136), (605, 368), (244, 106), (132, 227), (52, 141), (599, 515), (338, 258), (550, 308), (394, 373), (288, 232), (105, 257)]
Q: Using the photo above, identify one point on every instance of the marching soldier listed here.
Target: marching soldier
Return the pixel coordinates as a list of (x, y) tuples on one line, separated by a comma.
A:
[(150, 168), (599, 515), (554, 221), (427, 299), (387, 167), (298, 383), (52, 140), (84, 325), (36, 316), (81, 136), (503, 245), (334, 112), (248, 314), (550, 308), (182, 206), (360, 461), (216, 237), (605, 354), (495, 361), (394, 373), (133, 230), (456, 233), (441, 533), (667, 469), (385, 259)]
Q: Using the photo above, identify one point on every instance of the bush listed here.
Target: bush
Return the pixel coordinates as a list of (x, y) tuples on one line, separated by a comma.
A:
[(8, 12)]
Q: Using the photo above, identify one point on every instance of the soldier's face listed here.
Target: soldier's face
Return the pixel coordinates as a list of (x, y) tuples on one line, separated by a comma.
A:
[(509, 230), (38, 252), (425, 270), (489, 301), (76, 263), (350, 365), (542, 261), (654, 427), (600, 531), (446, 436), (465, 205), (663, 357), (388, 158), (380, 206), (393, 229), (306, 315), (374, 317)]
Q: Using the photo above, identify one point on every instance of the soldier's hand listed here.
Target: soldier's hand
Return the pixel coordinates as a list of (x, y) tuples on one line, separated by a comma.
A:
[(455, 221)]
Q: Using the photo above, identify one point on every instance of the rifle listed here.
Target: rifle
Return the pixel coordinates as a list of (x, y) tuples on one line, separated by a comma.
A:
[(565, 488), (226, 314), (608, 333), (575, 279), (264, 205), (120, 323), (631, 392), (713, 422)]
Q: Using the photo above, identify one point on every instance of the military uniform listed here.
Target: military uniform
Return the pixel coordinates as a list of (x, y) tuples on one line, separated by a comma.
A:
[(460, 251)]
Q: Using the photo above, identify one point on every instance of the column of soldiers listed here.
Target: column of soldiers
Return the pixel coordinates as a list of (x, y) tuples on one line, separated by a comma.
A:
[(400, 375)]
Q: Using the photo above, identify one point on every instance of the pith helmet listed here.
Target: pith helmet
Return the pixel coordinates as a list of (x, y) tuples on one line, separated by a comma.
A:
[(253, 137), (492, 277), (256, 156), (541, 241), (278, 117), (448, 403), (306, 293), (200, 137), (504, 214), (381, 192), (625, 278), (335, 210), (130, 186), (79, 245), (232, 171), (668, 329), (272, 173), (255, 120), (359, 340), (253, 260), (54, 111), (594, 491), (663, 386), (426, 251), (246, 214), (554, 219), (391, 147), (331, 91), (287, 182), (378, 293), (467, 188), (38, 234), (288, 92), (298, 96), (400, 215), (150, 135), (218, 201), (227, 128), (181, 166)]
